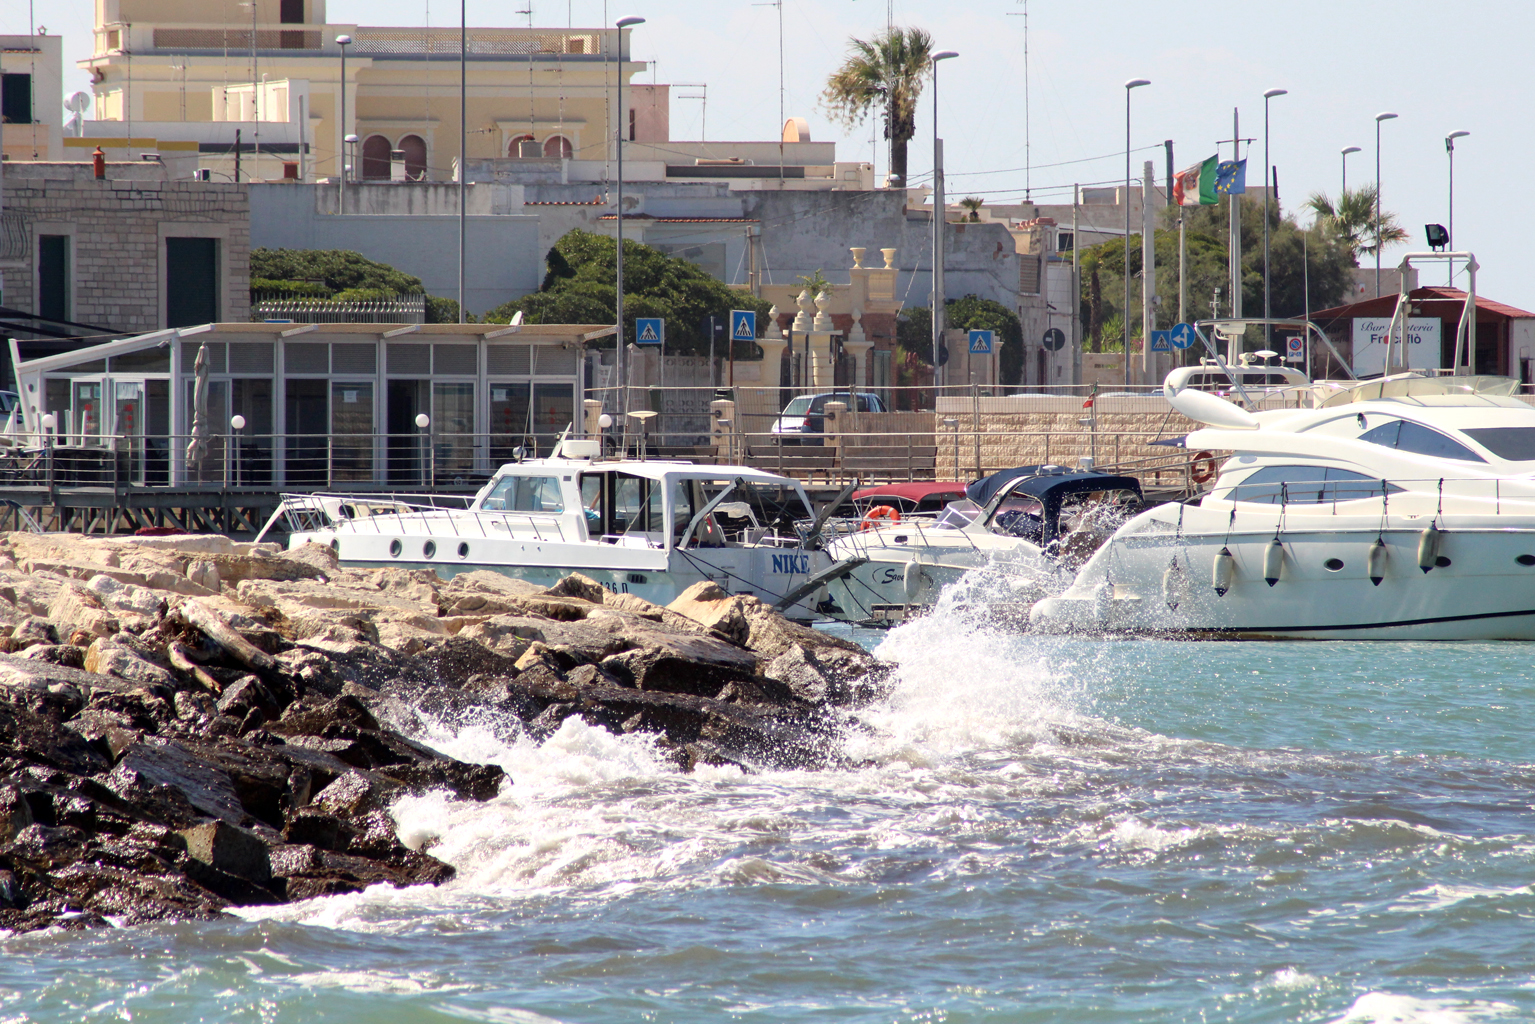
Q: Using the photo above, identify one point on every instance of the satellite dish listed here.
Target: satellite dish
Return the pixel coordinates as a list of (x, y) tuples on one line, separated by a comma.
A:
[(78, 102)]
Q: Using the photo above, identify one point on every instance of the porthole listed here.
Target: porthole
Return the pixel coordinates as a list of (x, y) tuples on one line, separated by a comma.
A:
[(1526, 559), (637, 577), (1442, 562), (463, 550), (1333, 564), (395, 547), (429, 549)]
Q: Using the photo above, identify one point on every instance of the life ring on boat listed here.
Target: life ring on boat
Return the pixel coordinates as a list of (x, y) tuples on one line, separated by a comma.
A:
[(880, 515), (1202, 467)]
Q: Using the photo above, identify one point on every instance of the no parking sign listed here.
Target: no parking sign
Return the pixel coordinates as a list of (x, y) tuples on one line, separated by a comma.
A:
[(1295, 349)]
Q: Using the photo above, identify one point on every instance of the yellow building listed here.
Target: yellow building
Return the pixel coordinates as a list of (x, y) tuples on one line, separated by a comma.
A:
[(187, 70)]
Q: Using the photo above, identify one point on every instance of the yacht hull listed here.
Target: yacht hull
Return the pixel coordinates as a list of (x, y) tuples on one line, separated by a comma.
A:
[(1162, 584)]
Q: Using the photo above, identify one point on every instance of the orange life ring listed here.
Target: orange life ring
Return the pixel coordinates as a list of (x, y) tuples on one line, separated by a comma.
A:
[(1202, 467), (880, 515)]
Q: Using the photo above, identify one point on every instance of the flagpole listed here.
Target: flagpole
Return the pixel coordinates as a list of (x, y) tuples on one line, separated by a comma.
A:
[(1235, 205)]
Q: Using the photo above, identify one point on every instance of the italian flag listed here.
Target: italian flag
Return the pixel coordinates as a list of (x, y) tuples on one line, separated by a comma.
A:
[(1196, 185)]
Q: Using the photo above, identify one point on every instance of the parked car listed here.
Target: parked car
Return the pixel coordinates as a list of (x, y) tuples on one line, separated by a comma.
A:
[(803, 420)]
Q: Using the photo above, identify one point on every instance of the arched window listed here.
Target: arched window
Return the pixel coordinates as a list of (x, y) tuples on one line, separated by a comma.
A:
[(375, 158), (557, 147), (414, 148), (514, 148)]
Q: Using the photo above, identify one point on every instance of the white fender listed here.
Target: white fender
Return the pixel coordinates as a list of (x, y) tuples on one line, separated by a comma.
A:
[(1375, 561), (1273, 561), (1428, 547), (1223, 572)]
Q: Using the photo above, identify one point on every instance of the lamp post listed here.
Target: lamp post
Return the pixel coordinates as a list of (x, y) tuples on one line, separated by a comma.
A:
[(1449, 148), (50, 425), (348, 164), (1384, 116), (343, 42), (623, 118), (1134, 83), (422, 422), (1267, 182), (236, 424), (940, 217), (1343, 189)]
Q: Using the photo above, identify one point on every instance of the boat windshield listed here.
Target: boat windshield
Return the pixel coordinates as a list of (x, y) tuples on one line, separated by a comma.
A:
[(1512, 444), (957, 515), (525, 494)]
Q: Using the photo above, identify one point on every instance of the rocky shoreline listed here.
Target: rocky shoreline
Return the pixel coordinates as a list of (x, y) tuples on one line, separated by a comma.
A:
[(189, 724)]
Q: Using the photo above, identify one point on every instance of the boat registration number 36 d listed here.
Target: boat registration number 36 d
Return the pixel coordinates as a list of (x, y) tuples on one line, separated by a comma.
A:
[(791, 563)]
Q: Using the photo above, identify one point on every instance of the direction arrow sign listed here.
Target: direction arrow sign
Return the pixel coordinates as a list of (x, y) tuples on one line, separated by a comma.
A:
[(1161, 341), (1183, 336), (980, 343), (649, 330), (743, 325), (1055, 339)]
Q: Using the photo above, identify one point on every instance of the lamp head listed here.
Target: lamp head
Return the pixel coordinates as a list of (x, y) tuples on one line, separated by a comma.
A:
[(1270, 94), (604, 421), (50, 421), (351, 140), (423, 420), (1136, 83), (944, 55), (237, 421), (629, 21), (1384, 116), (1449, 140), (1438, 237), (343, 40), (1350, 149)]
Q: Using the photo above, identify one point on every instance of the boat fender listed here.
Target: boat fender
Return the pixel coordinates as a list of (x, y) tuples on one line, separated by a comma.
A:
[(1376, 561), (1273, 561), (1175, 584), (1428, 547), (915, 581), (1103, 603), (1224, 572)]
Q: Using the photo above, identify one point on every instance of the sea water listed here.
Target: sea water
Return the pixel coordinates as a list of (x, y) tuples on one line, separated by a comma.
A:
[(1031, 829)]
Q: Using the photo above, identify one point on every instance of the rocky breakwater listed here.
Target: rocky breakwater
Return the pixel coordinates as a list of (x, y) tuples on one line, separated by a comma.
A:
[(189, 724)]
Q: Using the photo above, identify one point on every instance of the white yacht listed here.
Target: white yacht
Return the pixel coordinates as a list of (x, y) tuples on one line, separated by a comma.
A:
[(650, 528), (1030, 528), (1399, 508)]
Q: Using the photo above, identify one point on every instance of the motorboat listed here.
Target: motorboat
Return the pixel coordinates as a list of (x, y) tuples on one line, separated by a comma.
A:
[(1028, 529), (644, 527), (1399, 508)]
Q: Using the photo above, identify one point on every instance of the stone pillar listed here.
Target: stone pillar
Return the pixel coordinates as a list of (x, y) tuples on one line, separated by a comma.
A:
[(836, 426), (723, 428), (858, 346), (821, 332)]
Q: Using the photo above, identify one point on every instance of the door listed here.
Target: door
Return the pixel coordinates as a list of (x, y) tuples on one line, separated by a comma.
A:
[(351, 425), (406, 445), (453, 430), (191, 281), (128, 425), (307, 430)]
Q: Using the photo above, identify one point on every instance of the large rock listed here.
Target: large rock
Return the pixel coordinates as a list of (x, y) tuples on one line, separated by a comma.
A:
[(708, 605), (78, 608)]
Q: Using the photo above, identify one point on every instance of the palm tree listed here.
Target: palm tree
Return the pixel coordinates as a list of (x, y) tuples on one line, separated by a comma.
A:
[(885, 73), (973, 204), (1353, 219)]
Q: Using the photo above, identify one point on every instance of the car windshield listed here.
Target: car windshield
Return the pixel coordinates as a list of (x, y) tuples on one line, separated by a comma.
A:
[(798, 407)]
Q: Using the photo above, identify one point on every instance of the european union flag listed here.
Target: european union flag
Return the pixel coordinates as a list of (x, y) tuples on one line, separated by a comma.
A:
[(1231, 177)]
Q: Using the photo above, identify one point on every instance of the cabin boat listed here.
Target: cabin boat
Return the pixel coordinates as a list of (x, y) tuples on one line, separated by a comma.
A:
[(643, 527)]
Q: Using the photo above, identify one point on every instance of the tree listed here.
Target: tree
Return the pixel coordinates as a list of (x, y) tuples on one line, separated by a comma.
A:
[(579, 288), (1353, 219), (340, 275), (814, 283), (914, 330), (885, 73), (973, 204)]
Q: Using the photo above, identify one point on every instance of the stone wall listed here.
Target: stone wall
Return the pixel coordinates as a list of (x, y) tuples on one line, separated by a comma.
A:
[(118, 225)]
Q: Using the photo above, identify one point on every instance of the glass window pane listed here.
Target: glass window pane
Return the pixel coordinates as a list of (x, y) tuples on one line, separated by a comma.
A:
[(553, 410), (508, 420), (1421, 440), (351, 423), (453, 428), (1516, 444)]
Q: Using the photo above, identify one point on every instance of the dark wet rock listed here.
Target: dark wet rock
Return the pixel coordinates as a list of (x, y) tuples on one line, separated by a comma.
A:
[(829, 675), (230, 849)]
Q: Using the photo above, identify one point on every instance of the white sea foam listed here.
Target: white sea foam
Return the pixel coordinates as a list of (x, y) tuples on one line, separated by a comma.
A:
[(1388, 1008), (1290, 980), (1442, 897)]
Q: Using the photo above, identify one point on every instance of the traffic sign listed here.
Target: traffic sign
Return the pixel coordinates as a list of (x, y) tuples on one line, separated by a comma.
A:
[(980, 343), (649, 330), (1295, 348), (1161, 341), (743, 325), (1055, 339), (1182, 336)]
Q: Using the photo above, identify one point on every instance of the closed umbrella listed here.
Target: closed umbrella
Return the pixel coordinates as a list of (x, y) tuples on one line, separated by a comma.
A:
[(197, 448)]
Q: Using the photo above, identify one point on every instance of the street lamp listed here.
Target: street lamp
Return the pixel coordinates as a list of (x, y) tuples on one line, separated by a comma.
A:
[(422, 422), (1384, 116), (236, 424), (1449, 148), (1134, 83), (1267, 181), (347, 168), (623, 118), (343, 42), (1344, 189), (939, 218)]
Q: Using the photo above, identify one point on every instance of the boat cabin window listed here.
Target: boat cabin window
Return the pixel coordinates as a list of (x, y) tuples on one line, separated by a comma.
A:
[(1307, 485), (1514, 444), (1407, 436), (617, 503), (526, 494), (1249, 379), (1020, 515)]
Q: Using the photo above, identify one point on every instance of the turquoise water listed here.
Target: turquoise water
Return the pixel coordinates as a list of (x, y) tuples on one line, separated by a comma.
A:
[(1039, 830)]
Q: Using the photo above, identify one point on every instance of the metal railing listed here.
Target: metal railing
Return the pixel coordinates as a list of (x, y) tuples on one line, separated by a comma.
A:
[(407, 309)]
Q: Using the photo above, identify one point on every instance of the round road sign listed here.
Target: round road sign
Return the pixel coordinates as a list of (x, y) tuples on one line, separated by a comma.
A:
[(1055, 339)]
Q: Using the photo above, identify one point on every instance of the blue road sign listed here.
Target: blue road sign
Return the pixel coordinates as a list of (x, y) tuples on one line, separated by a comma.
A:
[(980, 343), (649, 330), (1183, 336), (1161, 341), (743, 325)]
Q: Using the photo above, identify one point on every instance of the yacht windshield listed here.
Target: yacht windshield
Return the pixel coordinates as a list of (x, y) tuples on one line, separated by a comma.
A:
[(1407, 436), (1513, 444), (525, 494), (1307, 485)]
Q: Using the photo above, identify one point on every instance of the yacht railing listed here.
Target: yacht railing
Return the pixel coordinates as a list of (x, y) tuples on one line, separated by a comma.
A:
[(440, 515)]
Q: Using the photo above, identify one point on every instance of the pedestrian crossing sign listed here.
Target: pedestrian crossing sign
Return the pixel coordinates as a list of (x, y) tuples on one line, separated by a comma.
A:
[(649, 330), (743, 325), (980, 343)]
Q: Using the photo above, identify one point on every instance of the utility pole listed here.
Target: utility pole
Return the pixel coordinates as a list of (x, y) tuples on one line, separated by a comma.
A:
[(1234, 201), (1076, 279), (1148, 270)]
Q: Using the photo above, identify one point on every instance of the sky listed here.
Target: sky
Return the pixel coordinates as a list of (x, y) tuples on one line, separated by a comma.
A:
[(1440, 67)]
